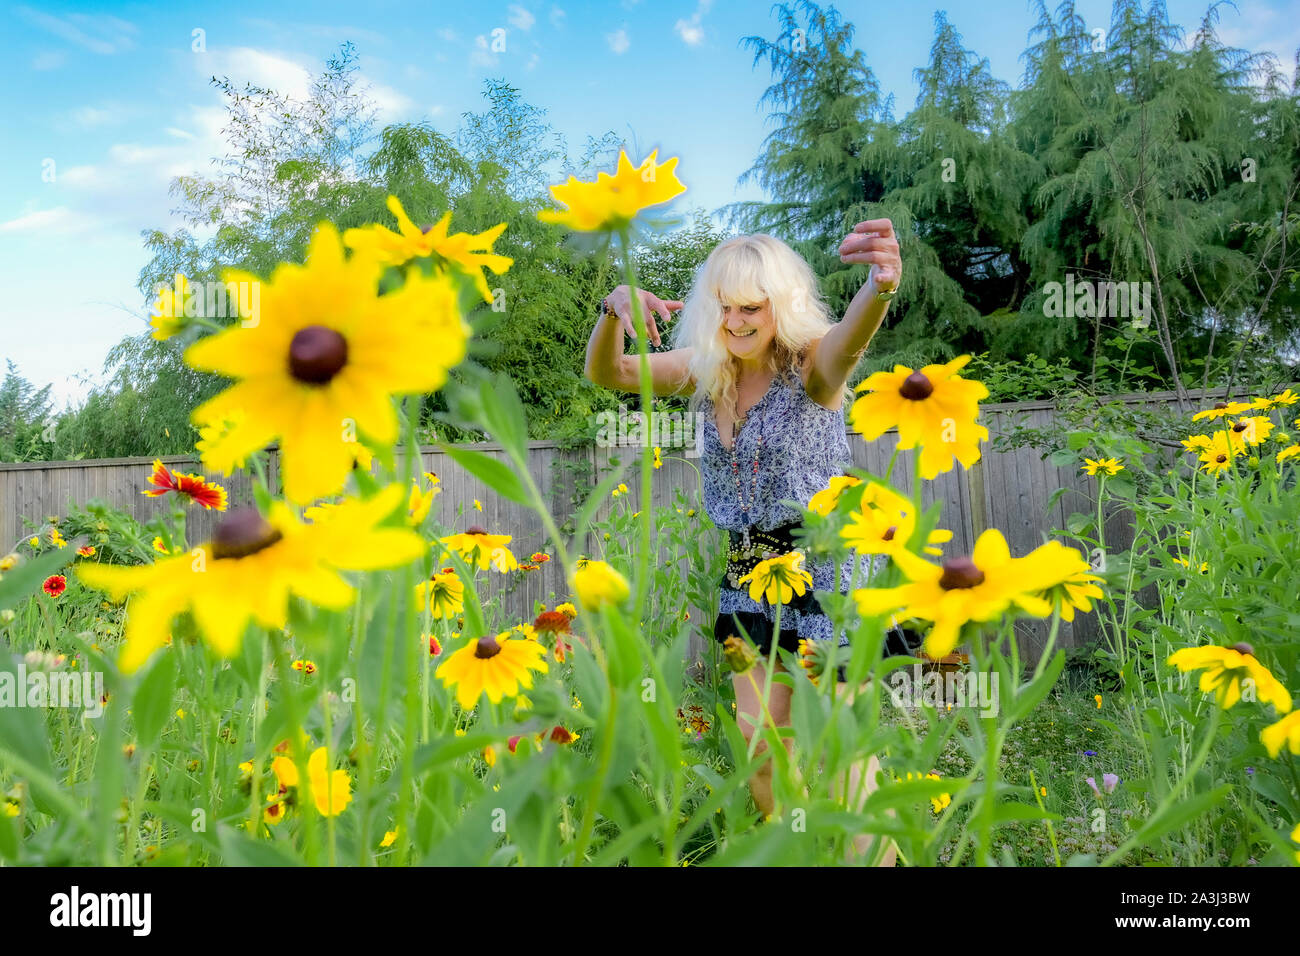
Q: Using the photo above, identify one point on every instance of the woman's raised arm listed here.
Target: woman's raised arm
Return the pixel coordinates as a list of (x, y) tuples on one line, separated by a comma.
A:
[(607, 364)]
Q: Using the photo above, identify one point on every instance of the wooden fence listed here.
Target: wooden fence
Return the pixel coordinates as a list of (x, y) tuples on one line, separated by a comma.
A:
[(1004, 490)]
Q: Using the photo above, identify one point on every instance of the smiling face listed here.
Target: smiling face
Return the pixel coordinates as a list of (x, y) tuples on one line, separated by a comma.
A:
[(748, 329)]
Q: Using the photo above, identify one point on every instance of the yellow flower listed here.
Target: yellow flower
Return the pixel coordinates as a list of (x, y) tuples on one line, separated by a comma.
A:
[(1111, 466), (489, 756), (567, 608), (883, 524), (57, 539), (250, 568), (943, 799), (477, 547), (1205, 565), (286, 772), (1042, 791), (740, 655), (823, 503), (1218, 454), (320, 362), (1286, 732), (478, 505), (1295, 834), (1223, 409), (331, 790), (778, 579), (933, 408), (169, 309), (611, 202), (1197, 442), (1251, 430), (1060, 575), (1097, 698), (1287, 397), (597, 583), (307, 667), (498, 666), (1226, 668), (390, 836), (443, 594), (8, 562), (659, 461), (620, 490), (34, 541), (978, 588), (418, 503), (1289, 452), (467, 253)]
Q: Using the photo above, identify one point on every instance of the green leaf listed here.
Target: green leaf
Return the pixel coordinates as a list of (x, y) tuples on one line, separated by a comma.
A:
[(495, 474), (153, 700), (503, 414)]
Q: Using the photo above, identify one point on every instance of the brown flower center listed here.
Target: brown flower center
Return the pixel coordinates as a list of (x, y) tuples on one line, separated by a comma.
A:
[(1221, 459), (487, 647), (1240, 427), (243, 532), (425, 229), (1220, 404), (916, 387), (960, 573), (1242, 647), (889, 533), (316, 354), (476, 529)]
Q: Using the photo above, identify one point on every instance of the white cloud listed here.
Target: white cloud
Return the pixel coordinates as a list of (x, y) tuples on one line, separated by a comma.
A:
[(481, 55), (88, 116), (690, 31), (259, 67), (521, 18), (448, 35), (618, 41), (98, 33), (557, 17), (178, 133), (57, 220), (49, 60), (437, 109), (532, 62), (391, 104), (1257, 27)]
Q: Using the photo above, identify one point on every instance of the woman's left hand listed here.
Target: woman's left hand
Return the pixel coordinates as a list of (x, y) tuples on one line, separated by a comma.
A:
[(873, 243)]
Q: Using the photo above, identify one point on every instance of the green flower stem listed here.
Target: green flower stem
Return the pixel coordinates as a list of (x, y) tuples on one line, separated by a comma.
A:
[(255, 781), (647, 409), (405, 578), (1051, 830), (359, 736), (602, 771), (767, 684), (306, 806)]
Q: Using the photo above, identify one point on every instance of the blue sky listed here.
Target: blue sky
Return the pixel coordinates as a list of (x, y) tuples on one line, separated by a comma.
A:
[(114, 101)]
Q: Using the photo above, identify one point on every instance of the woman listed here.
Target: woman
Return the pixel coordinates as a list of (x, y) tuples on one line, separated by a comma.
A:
[(761, 359)]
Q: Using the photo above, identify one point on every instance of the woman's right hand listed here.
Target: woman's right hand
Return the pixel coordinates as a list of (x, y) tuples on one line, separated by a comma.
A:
[(620, 300)]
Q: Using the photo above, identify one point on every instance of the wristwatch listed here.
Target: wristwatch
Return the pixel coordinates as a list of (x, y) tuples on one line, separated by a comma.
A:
[(605, 309), (887, 294)]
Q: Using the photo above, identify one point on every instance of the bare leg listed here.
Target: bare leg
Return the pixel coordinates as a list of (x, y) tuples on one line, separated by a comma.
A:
[(749, 715), (861, 784)]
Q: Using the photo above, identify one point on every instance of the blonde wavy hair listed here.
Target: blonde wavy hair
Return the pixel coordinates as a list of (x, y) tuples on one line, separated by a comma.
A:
[(742, 271)]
